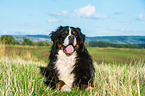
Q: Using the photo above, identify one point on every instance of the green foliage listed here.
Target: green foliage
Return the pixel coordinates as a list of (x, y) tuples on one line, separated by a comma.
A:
[(41, 44), (34, 44), (107, 44), (23, 43), (16, 42), (48, 43), (7, 39), (141, 45), (86, 44), (27, 41)]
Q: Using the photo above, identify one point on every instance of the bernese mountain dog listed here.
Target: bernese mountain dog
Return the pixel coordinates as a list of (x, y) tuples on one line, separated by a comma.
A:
[(70, 63)]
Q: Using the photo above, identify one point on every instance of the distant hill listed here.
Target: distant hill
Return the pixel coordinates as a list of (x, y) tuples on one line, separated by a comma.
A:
[(111, 39), (35, 38), (119, 39)]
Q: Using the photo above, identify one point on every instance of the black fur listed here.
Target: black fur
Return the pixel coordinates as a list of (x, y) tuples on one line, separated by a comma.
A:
[(83, 70)]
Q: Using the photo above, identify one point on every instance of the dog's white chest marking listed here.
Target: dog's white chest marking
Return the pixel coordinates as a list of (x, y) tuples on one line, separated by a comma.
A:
[(65, 65)]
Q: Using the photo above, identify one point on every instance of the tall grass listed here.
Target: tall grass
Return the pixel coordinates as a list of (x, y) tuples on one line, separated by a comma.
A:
[(11, 51), (2, 49), (114, 80), (21, 77)]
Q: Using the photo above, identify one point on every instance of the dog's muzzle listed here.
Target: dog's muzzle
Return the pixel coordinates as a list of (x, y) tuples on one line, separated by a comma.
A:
[(69, 49), (69, 44)]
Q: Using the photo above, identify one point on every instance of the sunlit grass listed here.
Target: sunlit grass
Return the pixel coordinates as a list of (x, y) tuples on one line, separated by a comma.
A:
[(2, 49), (19, 74), (126, 80), (20, 77)]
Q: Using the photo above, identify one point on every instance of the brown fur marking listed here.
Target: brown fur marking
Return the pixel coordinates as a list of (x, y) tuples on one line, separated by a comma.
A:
[(84, 86), (60, 84)]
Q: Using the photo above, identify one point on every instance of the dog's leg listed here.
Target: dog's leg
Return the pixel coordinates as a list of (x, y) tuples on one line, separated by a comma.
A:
[(84, 86), (85, 80), (60, 85), (43, 71), (50, 75)]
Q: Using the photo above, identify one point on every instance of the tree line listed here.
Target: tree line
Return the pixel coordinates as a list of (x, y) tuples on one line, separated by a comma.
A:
[(114, 45), (9, 39)]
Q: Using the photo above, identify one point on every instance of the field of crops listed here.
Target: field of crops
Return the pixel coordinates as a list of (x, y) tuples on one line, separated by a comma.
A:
[(119, 72)]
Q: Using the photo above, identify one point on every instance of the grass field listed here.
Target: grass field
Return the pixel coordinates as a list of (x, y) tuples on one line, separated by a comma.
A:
[(119, 72)]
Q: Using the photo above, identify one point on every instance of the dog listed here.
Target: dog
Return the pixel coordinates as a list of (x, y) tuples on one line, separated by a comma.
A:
[(70, 63)]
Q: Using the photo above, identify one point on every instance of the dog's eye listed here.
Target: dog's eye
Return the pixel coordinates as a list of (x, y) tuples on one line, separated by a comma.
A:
[(66, 32), (73, 32)]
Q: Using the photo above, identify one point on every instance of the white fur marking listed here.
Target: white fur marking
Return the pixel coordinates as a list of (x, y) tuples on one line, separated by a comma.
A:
[(69, 31), (64, 65), (75, 41), (66, 41), (66, 88)]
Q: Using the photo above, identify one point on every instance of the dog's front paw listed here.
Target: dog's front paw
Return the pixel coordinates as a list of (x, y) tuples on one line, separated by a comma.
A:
[(89, 88), (86, 87), (66, 88)]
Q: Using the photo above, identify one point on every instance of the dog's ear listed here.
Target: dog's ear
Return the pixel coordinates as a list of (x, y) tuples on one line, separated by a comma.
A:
[(54, 34), (82, 36)]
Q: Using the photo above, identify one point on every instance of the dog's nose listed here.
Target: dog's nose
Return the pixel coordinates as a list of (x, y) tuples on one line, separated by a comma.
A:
[(71, 39)]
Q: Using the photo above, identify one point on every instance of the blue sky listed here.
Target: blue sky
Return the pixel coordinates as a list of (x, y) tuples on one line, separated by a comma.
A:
[(94, 17)]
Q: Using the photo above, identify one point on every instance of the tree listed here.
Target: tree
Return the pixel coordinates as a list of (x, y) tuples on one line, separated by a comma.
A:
[(23, 43), (41, 44), (48, 43), (16, 42), (34, 44), (7, 39), (107, 44), (86, 44), (27, 41)]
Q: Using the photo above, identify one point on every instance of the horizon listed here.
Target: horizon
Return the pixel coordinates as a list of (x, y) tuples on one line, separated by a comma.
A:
[(85, 35), (94, 18)]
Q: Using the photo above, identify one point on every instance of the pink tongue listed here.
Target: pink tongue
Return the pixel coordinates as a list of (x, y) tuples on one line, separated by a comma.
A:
[(69, 49)]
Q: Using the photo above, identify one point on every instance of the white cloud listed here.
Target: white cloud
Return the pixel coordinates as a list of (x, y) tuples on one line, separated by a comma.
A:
[(52, 20), (118, 11), (89, 12), (141, 17), (61, 13), (64, 12)]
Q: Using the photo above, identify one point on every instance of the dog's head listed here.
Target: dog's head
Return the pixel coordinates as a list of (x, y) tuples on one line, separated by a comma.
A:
[(68, 39)]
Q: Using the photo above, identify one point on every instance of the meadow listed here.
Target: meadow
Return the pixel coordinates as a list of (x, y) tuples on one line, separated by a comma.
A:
[(119, 72)]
